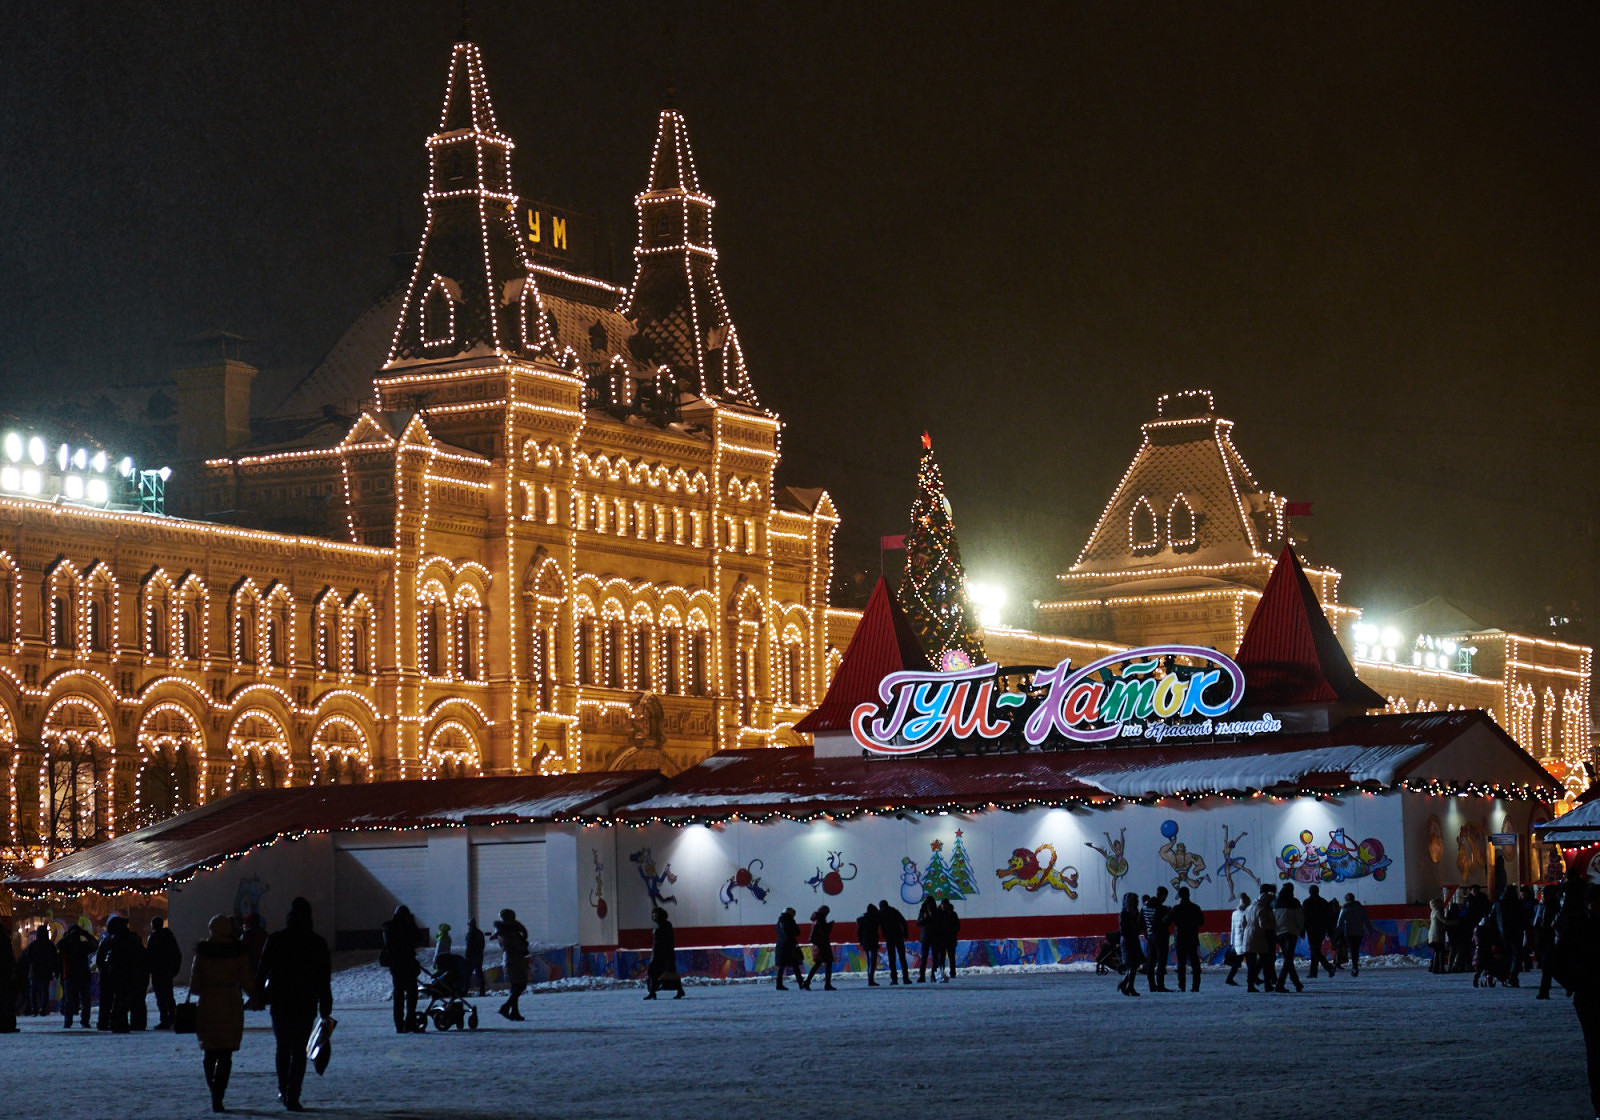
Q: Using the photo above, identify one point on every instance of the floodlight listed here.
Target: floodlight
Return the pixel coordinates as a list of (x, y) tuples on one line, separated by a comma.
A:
[(13, 447), (36, 451)]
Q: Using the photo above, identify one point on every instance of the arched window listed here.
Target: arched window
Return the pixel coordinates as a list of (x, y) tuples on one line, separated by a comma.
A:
[(98, 589), (170, 745), (8, 599), (469, 635), (76, 777), (793, 665), (452, 753), (1143, 532), (613, 650), (94, 625), (191, 606), (245, 604), (433, 622), (583, 646), (643, 645), (671, 651), (259, 747), (1181, 523), (339, 754), (155, 627), (699, 653), (438, 314), (60, 598)]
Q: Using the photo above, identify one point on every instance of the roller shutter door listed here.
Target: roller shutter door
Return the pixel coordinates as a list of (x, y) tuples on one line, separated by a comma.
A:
[(370, 882), (511, 875)]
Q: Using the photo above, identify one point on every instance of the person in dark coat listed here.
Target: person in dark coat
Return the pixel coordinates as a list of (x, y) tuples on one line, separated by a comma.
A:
[(102, 952), (949, 937), (867, 927), (253, 937), (129, 977), (1157, 933), (295, 981), (1318, 922), (1352, 929), (1512, 921), (513, 938), (8, 993), (401, 936), (786, 950), (165, 959), (220, 981), (1187, 918), (1544, 920), (1577, 967), (474, 955), (821, 950), (77, 949), (1291, 922), (663, 954), (42, 967), (1130, 925), (892, 924), (928, 935)]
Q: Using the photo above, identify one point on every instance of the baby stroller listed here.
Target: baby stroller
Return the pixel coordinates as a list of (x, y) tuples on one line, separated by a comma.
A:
[(446, 988), (1489, 958), (1109, 958)]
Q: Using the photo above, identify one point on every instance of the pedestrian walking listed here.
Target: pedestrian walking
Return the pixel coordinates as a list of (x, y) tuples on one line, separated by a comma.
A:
[(42, 963), (476, 946), (1512, 921), (867, 932), (663, 954), (1290, 918), (77, 950), (1187, 919), (128, 972), (102, 951), (1577, 966), (220, 980), (1130, 924), (1488, 953), (1238, 938), (928, 937), (1157, 935), (253, 935), (1544, 920), (295, 981), (1352, 928), (1438, 927), (401, 935), (892, 924), (165, 959), (1318, 921), (950, 936), (1262, 937), (513, 938), (786, 950), (821, 950), (8, 991)]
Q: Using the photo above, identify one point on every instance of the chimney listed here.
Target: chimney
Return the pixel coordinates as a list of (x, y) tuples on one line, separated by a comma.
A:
[(213, 408)]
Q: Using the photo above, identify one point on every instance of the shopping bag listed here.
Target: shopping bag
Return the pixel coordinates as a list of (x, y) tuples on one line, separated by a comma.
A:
[(320, 1048), (183, 1016), (669, 982)]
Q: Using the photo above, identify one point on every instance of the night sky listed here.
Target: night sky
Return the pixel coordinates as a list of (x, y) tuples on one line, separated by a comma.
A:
[(1371, 230)]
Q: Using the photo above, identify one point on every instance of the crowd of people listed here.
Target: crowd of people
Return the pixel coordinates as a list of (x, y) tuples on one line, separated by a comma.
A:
[(880, 930)]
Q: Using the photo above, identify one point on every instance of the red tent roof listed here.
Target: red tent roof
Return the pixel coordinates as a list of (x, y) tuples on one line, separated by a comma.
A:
[(1290, 654), (882, 644)]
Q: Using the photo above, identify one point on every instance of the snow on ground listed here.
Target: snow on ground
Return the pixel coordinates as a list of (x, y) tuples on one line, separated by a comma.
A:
[(1015, 1043)]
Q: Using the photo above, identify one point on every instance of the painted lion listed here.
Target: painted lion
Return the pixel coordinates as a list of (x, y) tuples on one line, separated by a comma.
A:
[(1024, 870)]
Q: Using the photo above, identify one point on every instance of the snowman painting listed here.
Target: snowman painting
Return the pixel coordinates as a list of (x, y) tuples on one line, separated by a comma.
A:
[(910, 881)]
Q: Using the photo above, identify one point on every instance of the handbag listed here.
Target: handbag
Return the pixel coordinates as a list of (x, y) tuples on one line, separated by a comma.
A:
[(319, 1049), (184, 1015), (669, 982)]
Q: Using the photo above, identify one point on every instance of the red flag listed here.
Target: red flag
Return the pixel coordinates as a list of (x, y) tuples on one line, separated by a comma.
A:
[(887, 543), (1297, 509)]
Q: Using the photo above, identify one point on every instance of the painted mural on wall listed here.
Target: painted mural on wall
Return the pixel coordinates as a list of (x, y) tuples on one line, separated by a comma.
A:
[(597, 897), (1435, 839), (1115, 855), (744, 879), (1340, 860), (1472, 844), (1234, 864), (247, 898), (654, 879), (1026, 870), (940, 879), (832, 881), (1189, 866)]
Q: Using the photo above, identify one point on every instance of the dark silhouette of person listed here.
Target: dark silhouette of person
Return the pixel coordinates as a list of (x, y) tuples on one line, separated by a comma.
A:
[(102, 951), (1262, 938), (77, 949), (401, 935), (1577, 965), (1130, 925), (1545, 920), (294, 980), (253, 937), (867, 930), (1512, 922), (786, 950), (512, 936), (128, 973), (1318, 922), (1352, 927), (663, 954), (1290, 917), (949, 937), (8, 991), (42, 964), (892, 924), (821, 950), (1187, 920), (1157, 932), (220, 980), (165, 959), (928, 937), (474, 957)]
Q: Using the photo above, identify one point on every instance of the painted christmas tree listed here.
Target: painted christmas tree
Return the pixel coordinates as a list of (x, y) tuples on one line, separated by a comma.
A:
[(936, 876), (934, 592), (961, 881)]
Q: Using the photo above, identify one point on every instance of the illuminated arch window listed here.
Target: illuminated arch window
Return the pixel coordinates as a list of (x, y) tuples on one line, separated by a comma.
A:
[(75, 778), (793, 666), (60, 594), (585, 635), (192, 606), (9, 601), (834, 657), (439, 313), (98, 615), (339, 753), (1548, 746), (277, 627), (170, 753), (469, 634), (613, 644), (433, 630), (672, 651), (326, 623), (699, 652), (1181, 532), (156, 615), (642, 674), (246, 600), (1143, 532), (259, 749), (452, 752), (356, 624)]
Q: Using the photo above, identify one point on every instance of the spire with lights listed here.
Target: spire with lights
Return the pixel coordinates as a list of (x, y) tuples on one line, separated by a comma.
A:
[(470, 294), (675, 300)]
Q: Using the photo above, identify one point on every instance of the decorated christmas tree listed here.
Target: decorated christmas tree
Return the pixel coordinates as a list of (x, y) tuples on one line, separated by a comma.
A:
[(961, 881), (936, 876), (934, 592)]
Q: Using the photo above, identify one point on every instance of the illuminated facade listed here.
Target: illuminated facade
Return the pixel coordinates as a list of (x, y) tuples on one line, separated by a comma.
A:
[(552, 543)]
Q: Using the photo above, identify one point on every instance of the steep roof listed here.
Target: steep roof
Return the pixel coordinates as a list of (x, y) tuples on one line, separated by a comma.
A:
[(1289, 653), (173, 850), (882, 644)]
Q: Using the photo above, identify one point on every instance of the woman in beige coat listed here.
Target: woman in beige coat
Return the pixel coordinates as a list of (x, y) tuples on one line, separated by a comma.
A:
[(221, 981)]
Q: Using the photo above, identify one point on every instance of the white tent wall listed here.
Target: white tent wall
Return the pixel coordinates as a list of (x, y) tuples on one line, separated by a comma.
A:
[(595, 869)]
